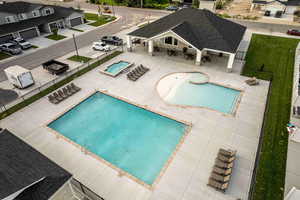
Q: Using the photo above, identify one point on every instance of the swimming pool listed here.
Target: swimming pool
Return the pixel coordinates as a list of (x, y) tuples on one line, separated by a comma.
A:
[(194, 89), (116, 68), (135, 140)]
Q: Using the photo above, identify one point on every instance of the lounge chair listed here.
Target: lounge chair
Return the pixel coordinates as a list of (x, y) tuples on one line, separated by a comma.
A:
[(57, 97), (217, 185), (63, 95), (52, 99), (252, 81), (132, 77), (75, 87), (227, 152), (218, 170), (222, 164), (66, 91), (71, 89), (227, 159), (221, 178)]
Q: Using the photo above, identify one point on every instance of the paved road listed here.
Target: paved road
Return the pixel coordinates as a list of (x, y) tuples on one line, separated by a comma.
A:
[(128, 16)]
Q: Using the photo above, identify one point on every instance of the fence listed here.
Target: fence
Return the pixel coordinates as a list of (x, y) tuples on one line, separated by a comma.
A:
[(240, 55), (55, 80)]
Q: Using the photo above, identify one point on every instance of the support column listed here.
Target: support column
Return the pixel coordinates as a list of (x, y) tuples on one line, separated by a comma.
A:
[(230, 62), (129, 43), (251, 8), (198, 57), (150, 47)]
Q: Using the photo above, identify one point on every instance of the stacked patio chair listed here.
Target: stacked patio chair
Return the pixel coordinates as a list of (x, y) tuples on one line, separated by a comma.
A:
[(137, 72), (64, 93), (221, 173)]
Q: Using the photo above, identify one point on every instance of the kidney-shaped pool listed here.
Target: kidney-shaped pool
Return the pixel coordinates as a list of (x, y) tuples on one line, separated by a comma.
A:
[(194, 89)]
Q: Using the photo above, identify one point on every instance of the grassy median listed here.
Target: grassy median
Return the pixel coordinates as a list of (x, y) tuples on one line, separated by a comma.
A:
[(56, 86), (4, 56), (81, 59), (277, 56), (99, 20)]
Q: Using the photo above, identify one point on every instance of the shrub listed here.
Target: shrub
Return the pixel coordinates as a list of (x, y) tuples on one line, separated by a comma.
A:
[(55, 31), (196, 3), (297, 13), (219, 5)]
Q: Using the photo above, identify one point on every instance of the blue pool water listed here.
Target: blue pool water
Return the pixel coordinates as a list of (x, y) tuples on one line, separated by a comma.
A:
[(131, 138), (208, 95), (117, 67)]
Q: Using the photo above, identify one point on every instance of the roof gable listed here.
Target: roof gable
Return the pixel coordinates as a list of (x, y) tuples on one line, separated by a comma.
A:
[(201, 28), (22, 165)]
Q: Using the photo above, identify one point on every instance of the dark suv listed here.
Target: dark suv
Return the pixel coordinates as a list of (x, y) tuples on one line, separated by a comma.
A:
[(114, 40)]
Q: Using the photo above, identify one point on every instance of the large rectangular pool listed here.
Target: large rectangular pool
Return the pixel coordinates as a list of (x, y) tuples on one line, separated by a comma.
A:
[(135, 140)]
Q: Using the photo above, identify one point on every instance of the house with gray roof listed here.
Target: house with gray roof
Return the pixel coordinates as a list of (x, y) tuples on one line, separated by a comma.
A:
[(28, 20), (26, 174), (284, 6), (198, 30)]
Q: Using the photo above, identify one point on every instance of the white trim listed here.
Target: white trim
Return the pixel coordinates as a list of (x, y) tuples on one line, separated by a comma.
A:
[(61, 187), (218, 51), (15, 194), (170, 31)]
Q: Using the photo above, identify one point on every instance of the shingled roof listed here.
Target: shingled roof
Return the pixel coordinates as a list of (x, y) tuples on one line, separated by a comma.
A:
[(21, 165), (200, 28), (16, 7)]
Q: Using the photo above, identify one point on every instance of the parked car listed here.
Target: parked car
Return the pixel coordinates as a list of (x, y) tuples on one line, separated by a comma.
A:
[(100, 46), (293, 32), (11, 48), (268, 13), (114, 40), (22, 43), (172, 8), (185, 6), (278, 14)]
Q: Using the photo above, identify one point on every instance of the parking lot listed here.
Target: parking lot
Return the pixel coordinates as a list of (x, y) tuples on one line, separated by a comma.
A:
[(43, 42), (42, 76)]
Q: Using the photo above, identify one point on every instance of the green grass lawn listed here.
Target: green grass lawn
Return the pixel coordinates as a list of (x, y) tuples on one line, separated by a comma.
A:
[(76, 29), (99, 20), (277, 54), (57, 85), (80, 58), (56, 37), (34, 47), (4, 56)]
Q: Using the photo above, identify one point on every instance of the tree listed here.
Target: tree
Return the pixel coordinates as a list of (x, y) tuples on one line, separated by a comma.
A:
[(196, 3)]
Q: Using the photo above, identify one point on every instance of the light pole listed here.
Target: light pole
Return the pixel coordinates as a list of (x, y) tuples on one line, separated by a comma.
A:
[(142, 3), (75, 44)]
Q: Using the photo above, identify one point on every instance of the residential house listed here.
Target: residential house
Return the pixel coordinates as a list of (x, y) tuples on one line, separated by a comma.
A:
[(199, 31), (28, 20), (284, 6), (26, 174)]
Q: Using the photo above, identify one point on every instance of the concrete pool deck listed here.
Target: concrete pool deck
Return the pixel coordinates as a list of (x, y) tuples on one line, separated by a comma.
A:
[(188, 173)]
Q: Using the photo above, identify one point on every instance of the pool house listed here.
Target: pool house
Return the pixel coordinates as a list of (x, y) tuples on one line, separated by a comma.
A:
[(196, 34)]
